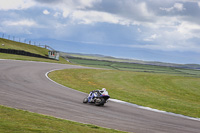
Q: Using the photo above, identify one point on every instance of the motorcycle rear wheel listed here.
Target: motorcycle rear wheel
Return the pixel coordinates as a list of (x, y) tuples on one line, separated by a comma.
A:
[(99, 101)]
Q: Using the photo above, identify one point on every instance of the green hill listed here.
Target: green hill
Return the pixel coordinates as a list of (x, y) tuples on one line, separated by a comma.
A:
[(96, 57), (12, 45)]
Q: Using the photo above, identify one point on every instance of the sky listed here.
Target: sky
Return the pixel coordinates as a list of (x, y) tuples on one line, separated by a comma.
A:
[(149, 30)]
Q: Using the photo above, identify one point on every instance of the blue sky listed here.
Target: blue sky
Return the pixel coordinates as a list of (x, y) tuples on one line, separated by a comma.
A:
[(150, 30)]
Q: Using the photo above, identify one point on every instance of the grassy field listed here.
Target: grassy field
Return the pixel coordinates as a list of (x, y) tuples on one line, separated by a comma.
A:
[(137, 67), (18, 121), (106, 58), (172, 93), (8, 44)]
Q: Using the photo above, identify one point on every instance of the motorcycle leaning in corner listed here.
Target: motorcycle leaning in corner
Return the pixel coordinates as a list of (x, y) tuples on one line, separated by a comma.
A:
[(98, 97)]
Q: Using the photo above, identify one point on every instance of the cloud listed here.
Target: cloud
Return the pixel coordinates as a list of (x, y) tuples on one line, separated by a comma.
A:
[(168, 47), (86, 12), (20, 23), (165, 25), (69, 4), (188, 29), (182, 37), (139, 30), (90, 17), (46, 12), (163, 31), (67, 7), (57, 14), (134, 11), (89, 3), (177, 6), (198, 4), (16, 4), (66, 13), (151, 38), (169, 41)]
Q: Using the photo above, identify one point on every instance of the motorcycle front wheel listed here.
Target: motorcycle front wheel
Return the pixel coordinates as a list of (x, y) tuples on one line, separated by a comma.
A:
[(85, 100)]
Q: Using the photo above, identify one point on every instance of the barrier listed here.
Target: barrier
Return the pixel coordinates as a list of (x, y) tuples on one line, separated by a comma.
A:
[(21, 52)]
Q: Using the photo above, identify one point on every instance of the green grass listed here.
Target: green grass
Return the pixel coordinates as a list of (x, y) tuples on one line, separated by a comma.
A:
[(137, 67), (19, 121), (105, 58), (172, 93), (8, 44)]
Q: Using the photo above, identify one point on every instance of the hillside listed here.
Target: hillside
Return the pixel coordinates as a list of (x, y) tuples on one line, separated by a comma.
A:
[(123, 60), (42, 53)]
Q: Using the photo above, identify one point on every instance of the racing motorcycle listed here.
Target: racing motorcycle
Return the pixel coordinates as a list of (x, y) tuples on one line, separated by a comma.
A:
[(96, 97)]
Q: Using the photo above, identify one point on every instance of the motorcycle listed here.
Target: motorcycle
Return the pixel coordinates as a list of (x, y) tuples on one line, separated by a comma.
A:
[(97, 97)]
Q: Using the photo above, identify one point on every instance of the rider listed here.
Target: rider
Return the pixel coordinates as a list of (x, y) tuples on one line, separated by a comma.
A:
[(103, 91)]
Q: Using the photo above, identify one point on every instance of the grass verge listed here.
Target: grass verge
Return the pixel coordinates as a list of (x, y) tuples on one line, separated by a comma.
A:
[(19, 121), (171, 93)]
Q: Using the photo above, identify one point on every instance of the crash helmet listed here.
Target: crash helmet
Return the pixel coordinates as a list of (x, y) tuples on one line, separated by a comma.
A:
[(103, 89)]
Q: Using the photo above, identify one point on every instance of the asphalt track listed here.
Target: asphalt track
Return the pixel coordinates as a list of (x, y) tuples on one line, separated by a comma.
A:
[(23, 85)]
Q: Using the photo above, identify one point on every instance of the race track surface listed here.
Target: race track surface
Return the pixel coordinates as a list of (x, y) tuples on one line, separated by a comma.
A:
[(23, 85)]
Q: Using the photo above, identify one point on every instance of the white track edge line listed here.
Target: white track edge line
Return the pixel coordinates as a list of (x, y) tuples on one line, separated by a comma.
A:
[(58, 83)]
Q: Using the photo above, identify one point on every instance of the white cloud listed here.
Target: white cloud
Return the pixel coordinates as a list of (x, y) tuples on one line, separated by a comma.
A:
[(57, 14), (75, 9), (143, 10), (46, 12), (139, 30), (66, 13), (151, 38), (179, 46), (177, 6), (16, 4), (20, 23), (90, 17), (166, 32), (179, 38), (187, 29), (198, 4), (154, 36), (87, 3)]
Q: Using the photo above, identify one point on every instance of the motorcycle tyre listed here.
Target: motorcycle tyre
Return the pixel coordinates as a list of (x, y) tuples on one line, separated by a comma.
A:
[(101, 103), (85, 100)]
